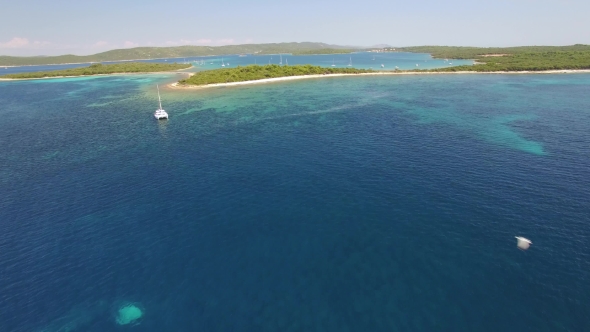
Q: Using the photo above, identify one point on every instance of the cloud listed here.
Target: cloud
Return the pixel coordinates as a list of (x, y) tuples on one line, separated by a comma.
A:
[(224, 41), (201, 41), (100, 43), (129, 44), (15, 42)]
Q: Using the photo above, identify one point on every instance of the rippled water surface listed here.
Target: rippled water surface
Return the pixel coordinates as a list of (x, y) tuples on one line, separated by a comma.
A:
[(338, 204)]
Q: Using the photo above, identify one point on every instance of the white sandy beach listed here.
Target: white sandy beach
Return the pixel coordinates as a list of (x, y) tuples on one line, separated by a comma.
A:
[(291, 78)]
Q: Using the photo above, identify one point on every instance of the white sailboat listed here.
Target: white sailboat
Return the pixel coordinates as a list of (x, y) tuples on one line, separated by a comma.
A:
[(160, 113), (350, 62), (222, 64), (333, 65), (281, 62), (286, 62)]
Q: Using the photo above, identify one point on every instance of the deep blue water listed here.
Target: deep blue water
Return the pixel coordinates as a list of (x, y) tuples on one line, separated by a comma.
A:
[(341, 204), (365, 60)]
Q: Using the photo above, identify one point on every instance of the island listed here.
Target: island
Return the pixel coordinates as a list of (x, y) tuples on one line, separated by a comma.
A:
[(100, 69), (257, 72), (520, 62), (510, 59)]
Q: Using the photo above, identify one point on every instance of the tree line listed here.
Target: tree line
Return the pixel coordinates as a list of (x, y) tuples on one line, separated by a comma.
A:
[(98, 69), (256, 72)]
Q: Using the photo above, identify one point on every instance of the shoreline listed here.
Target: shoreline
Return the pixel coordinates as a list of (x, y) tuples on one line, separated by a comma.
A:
[(93, 62), (291, 78), (111, 74)]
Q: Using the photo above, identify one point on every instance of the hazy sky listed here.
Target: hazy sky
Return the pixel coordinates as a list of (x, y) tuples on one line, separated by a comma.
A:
[(47, 27)]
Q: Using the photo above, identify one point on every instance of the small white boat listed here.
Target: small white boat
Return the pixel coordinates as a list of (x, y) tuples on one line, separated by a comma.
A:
[(333, 65), (281, 62), (286, 62), (350, 62), (222, 64), (382, 66), (522, 242), (160, 113)]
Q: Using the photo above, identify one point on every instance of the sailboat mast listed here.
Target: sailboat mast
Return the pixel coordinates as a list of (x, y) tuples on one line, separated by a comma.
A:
[(159, 100)]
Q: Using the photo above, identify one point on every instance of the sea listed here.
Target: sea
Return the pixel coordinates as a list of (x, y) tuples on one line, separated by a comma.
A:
[(385, 203), (361, 60)]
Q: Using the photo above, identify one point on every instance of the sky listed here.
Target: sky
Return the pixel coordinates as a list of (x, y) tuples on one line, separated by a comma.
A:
[(53, 27)]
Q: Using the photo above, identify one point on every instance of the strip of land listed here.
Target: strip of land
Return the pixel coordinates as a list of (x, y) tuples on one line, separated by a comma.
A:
[(466, 52), (99, 69), (524, 58), (256, 72), (178, 85)]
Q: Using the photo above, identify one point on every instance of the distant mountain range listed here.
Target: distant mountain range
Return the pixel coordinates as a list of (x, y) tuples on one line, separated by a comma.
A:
[(168, 52)]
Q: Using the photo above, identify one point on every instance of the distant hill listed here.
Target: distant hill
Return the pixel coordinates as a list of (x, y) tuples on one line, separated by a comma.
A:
[(168, 52)]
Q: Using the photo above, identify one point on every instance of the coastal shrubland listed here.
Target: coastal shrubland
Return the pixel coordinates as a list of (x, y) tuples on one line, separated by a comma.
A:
[(537, 61), (461, 52), (99, 69), (255, 72)]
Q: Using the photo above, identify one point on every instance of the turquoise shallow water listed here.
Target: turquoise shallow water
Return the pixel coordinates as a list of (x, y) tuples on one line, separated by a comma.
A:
[(357, 203)]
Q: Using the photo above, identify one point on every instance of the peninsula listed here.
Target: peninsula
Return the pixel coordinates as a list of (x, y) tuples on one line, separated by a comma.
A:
[(100, 69), (273, 73), (256, 72)]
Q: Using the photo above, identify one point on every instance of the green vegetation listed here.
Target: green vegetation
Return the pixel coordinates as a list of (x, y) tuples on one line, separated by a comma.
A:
[(96, 69), (167, 52), (522, 58), (456, 52), (527, 62), (324, 51), (254, 72)]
